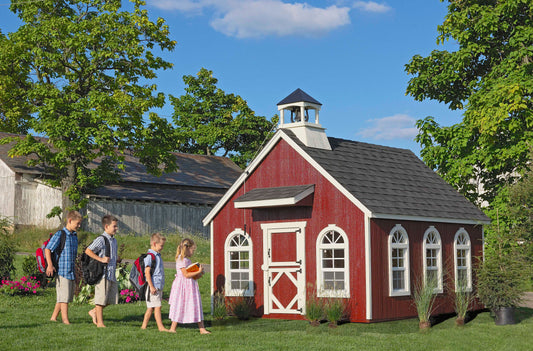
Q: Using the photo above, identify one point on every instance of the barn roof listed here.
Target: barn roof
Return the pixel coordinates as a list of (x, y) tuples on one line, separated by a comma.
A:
[(384, 182), (199, 179)]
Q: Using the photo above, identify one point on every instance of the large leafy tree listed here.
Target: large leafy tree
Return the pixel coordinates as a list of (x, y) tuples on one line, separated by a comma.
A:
[(212, 122), (489, 77), (77, 73)]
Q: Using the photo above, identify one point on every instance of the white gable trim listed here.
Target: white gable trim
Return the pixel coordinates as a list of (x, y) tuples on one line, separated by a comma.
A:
[(282, 201), (255, 163)]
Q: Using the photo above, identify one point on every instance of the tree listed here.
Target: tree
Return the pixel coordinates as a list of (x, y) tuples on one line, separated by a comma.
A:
[(209, 121), (76, 72), (490, 77)]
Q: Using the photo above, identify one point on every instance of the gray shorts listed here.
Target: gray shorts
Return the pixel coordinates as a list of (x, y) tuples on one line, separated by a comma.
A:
[(155, 299), (105, 292), (64, 289)]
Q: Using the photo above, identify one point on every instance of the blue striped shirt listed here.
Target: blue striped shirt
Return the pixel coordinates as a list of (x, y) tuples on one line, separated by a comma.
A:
[(98, 247), (158, 276), (68, 256)]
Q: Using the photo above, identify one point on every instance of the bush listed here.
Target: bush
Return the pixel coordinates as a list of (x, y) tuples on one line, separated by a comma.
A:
[(219, 306), (24, 286), (424, 298), (7, 249), (241, 307), (29, 269), (128, 296), (334, 309), (314, 307)]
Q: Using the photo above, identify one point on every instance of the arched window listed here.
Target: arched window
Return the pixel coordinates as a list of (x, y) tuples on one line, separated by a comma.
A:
[(432, 253), (463, 261), (333, 278), (399, 283), (238, 257)]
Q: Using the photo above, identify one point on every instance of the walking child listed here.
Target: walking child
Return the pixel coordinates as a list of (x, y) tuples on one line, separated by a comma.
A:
[(185, 301), (66, 280), (106, 290), (155, 280)]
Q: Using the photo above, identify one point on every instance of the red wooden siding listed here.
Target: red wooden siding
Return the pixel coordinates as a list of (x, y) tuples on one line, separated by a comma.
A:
[(285, 167), (386, 307)]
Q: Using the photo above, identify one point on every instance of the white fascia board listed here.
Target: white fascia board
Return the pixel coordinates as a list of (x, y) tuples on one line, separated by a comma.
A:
[(427, 219), (253, 165), (288, 201)]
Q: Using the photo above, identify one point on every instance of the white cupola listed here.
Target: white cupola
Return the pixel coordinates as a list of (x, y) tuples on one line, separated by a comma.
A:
[(299, 104)]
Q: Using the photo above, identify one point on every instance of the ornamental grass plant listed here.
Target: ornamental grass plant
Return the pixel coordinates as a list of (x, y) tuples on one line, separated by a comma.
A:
[(424, 299)]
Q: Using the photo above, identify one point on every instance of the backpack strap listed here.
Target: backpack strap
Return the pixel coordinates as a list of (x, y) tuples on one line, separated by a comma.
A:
[(62, 240)]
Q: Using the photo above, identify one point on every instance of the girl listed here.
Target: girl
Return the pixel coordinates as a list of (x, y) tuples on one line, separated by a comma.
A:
[(185, 302)]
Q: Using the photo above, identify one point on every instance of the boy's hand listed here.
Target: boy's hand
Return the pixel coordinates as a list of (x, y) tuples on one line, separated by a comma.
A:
[(50, 270), (153, 290), (105, 259)]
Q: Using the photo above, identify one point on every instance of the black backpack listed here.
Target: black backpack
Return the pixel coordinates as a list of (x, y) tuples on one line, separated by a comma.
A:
[(92, 269), (137, 277)]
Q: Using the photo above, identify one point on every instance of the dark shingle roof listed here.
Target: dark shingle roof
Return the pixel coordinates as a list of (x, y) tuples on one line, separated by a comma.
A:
[(297, 96), (391, 181), (280, 192)]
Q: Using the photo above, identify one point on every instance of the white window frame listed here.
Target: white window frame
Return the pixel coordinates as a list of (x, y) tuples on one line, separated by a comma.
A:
[(433, 246), (465, 245), (321, 291), (406, 267), (228, 270)]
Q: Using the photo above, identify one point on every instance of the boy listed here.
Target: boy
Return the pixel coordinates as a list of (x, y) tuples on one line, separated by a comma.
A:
[(106, 290), (65, 282), (156, 281)]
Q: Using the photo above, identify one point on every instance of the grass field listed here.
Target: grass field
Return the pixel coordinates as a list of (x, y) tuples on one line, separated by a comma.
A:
[(24, 326)]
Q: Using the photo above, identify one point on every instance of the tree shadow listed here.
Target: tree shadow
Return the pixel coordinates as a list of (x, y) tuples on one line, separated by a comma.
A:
[(523, 313)]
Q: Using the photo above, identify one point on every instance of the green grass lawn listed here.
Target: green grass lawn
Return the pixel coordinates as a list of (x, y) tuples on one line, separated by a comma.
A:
[(24, 326)]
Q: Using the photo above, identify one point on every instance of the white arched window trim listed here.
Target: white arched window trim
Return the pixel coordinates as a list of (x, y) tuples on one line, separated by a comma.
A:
[(404, 269), (321, 292), (229, 291), (461, 243), (435, 245)]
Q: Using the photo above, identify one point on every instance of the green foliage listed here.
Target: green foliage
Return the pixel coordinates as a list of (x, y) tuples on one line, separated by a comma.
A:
[(29, 269), (314, 306), (77, 74), (212, 122), (490, 76), (424, 297), (334, 309), (241, 307), (7, 249), (219, 306), (463, 298), (24, 286)]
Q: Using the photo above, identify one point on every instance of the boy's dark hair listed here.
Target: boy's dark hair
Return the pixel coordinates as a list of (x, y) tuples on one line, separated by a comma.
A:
[(108, 219)]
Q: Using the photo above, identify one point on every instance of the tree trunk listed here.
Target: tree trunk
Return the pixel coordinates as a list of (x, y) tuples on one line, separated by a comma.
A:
[(66, 183)]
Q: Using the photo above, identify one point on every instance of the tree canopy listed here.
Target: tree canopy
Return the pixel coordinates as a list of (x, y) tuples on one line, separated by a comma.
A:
[(490, 78), (77, 73), (210, 122)]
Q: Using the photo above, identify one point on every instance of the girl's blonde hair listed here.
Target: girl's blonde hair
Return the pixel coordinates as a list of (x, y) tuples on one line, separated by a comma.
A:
[(185, 243)]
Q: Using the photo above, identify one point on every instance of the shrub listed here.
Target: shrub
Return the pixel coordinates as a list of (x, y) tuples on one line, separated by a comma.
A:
[(462, 300), (219, 306), (424, 298), (241, 307), (128, 296), (29, 269), (7, 249), (314, 307), (334, 309), (24, 286)]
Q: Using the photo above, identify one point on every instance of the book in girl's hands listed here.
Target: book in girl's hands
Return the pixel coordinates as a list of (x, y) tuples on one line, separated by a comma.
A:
[(193, 267)]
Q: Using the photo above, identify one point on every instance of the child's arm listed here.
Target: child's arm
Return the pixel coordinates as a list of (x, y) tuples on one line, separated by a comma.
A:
[(50, 269), (94, 256), (188, 274), (148, 276)]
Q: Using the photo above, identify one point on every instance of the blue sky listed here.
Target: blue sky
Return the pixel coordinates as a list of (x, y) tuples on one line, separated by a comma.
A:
[(347, 54)]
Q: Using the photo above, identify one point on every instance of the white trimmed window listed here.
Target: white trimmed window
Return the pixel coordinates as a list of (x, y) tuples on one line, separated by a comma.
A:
[(463, 260), (433, 257), (333, 278), (238, 257), (399, 282)]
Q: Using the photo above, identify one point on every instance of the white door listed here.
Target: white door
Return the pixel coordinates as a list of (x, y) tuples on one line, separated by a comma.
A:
[(284, 267)]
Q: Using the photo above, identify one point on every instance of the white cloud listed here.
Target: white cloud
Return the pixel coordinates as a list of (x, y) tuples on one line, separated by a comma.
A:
[(399, 126), (259, 18), (371, 6)]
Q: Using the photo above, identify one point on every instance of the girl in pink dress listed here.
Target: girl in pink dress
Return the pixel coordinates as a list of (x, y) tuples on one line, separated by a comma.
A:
[(185, 301)]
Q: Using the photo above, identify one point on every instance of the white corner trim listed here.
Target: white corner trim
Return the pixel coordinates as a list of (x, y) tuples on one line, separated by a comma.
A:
[(368, 268)]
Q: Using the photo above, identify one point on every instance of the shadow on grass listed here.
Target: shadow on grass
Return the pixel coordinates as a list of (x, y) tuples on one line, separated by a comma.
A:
[(522, 314)]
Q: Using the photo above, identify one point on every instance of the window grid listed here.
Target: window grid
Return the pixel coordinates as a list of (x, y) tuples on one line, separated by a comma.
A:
[(238, 261), (432, 258), (332, 264), (463, 277), (399, 262)]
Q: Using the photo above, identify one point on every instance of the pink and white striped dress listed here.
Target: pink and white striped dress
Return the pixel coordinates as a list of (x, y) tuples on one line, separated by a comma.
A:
[(185, 301)]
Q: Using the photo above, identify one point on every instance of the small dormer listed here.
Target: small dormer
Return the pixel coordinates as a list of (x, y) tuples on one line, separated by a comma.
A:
[(301, 108)]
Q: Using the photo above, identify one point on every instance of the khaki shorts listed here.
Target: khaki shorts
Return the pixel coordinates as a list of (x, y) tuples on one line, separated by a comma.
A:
[(105, 292), (155, 299), (64, 289)]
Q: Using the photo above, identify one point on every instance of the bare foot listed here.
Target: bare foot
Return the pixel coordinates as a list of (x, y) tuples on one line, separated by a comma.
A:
[(143, 327), (100, 326), (172, 331), (204, 331), (164, 330), (53, 320), (92, 313), (66, 322)]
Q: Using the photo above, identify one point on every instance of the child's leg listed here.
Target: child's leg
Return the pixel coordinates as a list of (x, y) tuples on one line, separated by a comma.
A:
[(173, 327), (158, 319), (64, 313), (57, 308), (147, 316), (99, 316), (202, 328)]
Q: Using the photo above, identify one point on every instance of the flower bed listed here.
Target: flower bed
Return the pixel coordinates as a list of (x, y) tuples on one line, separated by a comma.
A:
[(24, 286)]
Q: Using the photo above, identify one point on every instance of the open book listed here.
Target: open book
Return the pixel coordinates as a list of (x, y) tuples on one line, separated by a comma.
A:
[(193, 267)]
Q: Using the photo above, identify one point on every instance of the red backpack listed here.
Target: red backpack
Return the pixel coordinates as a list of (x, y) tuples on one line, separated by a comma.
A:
[(41, 257), (137, 277)]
